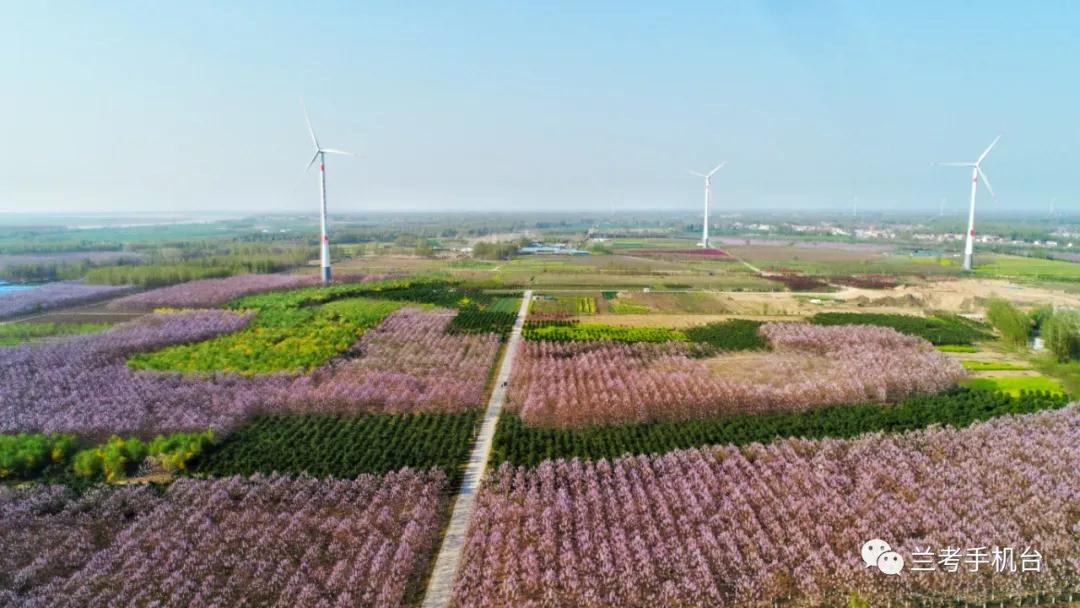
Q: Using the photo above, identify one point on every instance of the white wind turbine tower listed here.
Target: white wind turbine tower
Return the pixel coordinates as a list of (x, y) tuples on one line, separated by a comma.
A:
[(976, 174), (320, 155), (708, 195)]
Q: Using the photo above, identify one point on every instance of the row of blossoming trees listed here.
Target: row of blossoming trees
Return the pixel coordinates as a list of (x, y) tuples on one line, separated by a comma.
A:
[(261, 541), (726, 526), (570, 384)]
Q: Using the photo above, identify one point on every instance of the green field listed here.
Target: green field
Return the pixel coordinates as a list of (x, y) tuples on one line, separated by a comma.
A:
[(19, 333), (1014, 385), (1016, 267)]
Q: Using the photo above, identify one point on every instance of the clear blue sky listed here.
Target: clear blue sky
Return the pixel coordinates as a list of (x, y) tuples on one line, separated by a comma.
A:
[(183, 106)]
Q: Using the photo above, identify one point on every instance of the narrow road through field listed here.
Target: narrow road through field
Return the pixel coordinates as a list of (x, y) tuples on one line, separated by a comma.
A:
[(446, 564)]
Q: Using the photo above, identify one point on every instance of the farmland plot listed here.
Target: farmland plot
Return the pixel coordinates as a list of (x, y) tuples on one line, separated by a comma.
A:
[(264, 540), (728, 526), (408, 363), (574, 384), (83, 385)]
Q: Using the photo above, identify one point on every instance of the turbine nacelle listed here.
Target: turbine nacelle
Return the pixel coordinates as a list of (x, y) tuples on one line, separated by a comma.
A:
[(977, 166)]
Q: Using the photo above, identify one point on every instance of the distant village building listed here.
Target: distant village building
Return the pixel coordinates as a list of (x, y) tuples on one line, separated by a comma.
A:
[(554, 249)]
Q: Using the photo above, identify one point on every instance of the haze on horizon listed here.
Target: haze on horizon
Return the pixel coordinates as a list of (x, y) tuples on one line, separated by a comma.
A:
[(543, 106)]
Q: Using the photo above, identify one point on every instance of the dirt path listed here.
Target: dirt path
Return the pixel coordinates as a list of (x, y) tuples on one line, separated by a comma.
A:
[(441, 584)]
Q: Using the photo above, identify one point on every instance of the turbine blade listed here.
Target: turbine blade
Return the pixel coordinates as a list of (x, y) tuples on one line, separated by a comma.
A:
[(333, 151), (307, 119), (955, 164), (987, 150), (718, 167), (696, 173), (313, 159), (985, 181)]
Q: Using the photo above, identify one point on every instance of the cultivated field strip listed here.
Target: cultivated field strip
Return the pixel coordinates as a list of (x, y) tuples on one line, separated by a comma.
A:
[(446, 564)]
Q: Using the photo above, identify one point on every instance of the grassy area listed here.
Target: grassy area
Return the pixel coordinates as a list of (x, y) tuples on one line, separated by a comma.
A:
[(1016, 267), (1014, 385), (957, 348), (991, 366), (19, 333), (1068, 374)]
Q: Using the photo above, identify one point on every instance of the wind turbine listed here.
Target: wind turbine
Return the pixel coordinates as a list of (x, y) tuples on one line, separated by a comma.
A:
[(320, 155), (708, 195), (976, 174)]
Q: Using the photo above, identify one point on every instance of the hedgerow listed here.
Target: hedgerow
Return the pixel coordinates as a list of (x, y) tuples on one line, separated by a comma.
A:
[(519, 444), (327, 445), (938, 329)]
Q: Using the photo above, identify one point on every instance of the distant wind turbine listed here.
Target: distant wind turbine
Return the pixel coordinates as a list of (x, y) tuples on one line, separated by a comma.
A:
[(708, 195), (1052, 201), (320, 155), (976, 174)]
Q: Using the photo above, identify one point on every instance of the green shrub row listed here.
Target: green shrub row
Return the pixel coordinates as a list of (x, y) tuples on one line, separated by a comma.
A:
[(584, 331), (57, 456), (524, 445), (328, 445), (733, 334), (26, 455), (938, 329), (472, 320), (120, 457)]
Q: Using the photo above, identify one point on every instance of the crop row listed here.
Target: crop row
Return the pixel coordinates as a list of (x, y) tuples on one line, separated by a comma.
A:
[(575, 384), (328, 445), (524, 445), (938, 329), (277, 339), (586, 305), (752, 525), (260, 541)]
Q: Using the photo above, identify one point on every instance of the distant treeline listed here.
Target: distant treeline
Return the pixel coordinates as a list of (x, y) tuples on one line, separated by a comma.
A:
[(168, 263)]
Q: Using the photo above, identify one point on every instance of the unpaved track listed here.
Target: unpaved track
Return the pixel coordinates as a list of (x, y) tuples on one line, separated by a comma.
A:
[(441, 584)]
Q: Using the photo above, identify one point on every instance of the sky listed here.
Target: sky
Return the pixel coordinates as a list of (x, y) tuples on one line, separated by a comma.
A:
[(537, 106)]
